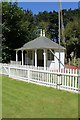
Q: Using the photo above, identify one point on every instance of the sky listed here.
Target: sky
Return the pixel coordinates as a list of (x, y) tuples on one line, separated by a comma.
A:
[(36, 7)]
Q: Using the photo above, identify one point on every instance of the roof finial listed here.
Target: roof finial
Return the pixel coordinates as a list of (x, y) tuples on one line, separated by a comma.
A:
[(44, 33), (41, 33)]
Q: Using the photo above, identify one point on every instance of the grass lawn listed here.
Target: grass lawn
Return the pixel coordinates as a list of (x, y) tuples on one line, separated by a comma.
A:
[(25, 100)]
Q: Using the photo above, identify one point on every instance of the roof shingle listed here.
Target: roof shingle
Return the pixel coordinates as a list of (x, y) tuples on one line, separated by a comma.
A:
[(40, 43)]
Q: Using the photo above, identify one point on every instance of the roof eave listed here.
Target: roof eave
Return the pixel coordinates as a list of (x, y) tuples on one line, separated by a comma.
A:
[(39, 48)]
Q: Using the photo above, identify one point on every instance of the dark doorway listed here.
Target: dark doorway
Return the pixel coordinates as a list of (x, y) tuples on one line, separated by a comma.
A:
[(40, 58)]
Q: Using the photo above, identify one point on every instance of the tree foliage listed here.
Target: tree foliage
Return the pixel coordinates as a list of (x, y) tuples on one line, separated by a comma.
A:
[(72, 32), (20, 26)]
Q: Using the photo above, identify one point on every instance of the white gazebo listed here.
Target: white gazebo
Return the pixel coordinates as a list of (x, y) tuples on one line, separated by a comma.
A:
[(42, 52)]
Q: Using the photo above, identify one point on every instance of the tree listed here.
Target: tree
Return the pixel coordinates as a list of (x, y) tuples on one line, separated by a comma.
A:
[(42, 22), (28, 25), (18, 28), (48, 21), (72, 32), (11, 29)]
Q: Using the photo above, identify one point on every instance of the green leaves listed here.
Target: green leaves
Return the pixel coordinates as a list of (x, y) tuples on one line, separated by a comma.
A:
[(17, 28), (72, 33), (20, 26)]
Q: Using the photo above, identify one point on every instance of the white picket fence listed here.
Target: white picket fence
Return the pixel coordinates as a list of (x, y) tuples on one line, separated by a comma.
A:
[(65, 79)]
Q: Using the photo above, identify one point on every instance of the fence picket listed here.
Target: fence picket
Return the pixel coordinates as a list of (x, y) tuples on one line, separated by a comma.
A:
[(76, 81), (70, 78), (73, 78), (65, 77), (28, 75)]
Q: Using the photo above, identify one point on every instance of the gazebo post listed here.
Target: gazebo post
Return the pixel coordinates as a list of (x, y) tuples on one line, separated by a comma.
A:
[(32, 57), (35, 57), (16, 55), (22, 57), (44, 59)]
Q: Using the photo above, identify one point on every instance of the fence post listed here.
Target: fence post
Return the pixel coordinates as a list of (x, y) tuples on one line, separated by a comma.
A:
[(79, 80), (9, 71), (28, 75), (0, 68), (79, 74)]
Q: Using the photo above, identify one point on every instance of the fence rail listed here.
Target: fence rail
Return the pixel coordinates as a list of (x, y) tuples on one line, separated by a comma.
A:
[(65, 79)]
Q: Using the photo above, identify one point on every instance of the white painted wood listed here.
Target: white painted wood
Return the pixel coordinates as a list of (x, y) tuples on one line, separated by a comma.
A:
[(35, 57), (44, 33), (41, 32), (16, 55), (28, 75), (54, 64), (9, 71), (69, 78), (73, 78), (44, 59), (65, 77), (76, 80), (22, 57)]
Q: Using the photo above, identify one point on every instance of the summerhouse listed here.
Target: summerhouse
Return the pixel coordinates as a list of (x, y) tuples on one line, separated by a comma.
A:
[(42, 52)]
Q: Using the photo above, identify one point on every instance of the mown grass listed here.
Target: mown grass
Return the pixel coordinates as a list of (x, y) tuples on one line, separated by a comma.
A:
[(25, 100), (0, 97)]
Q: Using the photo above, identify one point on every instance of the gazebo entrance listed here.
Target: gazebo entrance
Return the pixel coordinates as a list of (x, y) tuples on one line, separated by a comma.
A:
[(31, 60), (40, 58)]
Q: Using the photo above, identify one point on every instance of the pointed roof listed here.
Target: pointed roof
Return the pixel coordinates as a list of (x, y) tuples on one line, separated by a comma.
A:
[(41, 43)]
